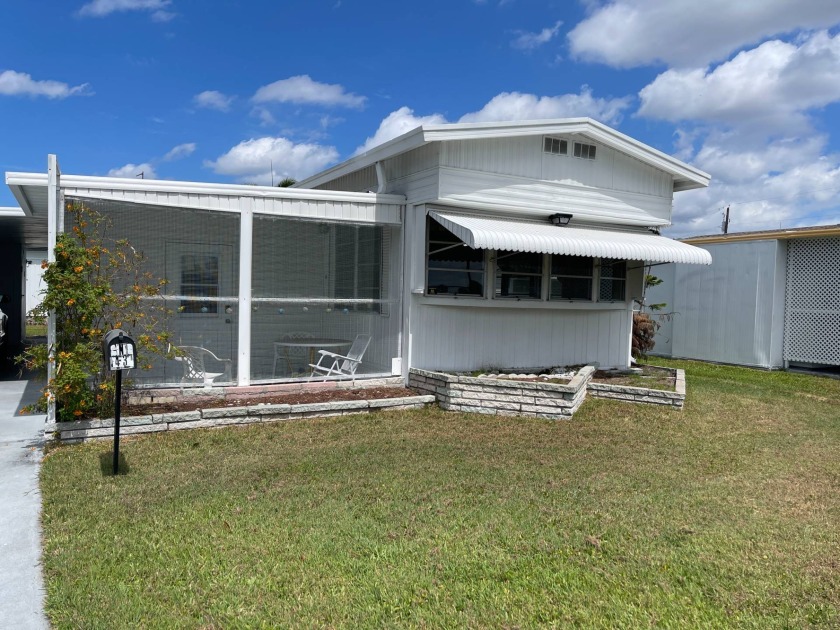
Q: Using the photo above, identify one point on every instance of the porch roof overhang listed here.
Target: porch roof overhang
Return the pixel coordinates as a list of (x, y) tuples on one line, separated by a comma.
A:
[(30, 190), (544, 238)]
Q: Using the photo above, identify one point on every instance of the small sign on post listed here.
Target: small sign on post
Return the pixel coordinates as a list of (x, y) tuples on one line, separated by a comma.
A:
[(120, 352)]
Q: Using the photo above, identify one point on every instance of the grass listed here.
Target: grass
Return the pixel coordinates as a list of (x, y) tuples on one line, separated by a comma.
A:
[(36, 330), (726, 514)]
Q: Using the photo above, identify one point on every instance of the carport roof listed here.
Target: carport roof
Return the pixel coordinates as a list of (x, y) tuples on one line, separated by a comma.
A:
[(17, 227)]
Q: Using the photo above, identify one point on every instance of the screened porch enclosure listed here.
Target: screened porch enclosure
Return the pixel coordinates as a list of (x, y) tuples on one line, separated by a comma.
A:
[(317, 285), (314, 285)]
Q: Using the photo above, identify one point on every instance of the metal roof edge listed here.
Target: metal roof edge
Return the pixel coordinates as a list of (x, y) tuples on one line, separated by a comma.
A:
[(18, 180), (405, 142), (783, 234)]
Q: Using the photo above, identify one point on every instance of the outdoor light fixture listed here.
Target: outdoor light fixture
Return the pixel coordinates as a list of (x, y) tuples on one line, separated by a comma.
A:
[(560, 218)]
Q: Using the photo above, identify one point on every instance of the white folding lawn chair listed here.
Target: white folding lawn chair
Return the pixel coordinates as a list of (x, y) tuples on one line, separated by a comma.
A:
[(341, 364)]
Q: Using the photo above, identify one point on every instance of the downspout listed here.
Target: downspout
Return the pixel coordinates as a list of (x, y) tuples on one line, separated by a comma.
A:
[(381, 182)]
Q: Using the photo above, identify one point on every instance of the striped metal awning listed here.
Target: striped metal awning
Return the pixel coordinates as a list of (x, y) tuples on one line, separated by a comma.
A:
[(544, 238)]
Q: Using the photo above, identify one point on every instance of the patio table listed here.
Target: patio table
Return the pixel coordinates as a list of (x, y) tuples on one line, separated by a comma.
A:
[(313, 343)]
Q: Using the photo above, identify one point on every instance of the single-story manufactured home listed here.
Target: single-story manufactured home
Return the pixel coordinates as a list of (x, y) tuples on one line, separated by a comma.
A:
[(771, 299), (451, 247)]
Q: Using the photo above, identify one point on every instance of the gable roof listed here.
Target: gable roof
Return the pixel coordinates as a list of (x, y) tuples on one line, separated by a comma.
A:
[(686, 177)]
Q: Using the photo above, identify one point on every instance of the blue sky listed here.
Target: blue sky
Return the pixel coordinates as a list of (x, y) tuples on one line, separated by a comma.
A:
[(218, 91)]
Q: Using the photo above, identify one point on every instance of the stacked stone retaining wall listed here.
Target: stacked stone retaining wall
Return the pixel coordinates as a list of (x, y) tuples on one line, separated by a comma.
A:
[(642, 394), (69, 432), (526, 398), (503, 397)]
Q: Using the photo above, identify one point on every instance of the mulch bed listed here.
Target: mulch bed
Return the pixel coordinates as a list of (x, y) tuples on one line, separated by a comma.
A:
[(297, 398)]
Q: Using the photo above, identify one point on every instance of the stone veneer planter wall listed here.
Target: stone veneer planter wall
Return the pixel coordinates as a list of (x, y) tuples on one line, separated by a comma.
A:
[(543, 400), (642, 394), (70, 432), (503, 397)]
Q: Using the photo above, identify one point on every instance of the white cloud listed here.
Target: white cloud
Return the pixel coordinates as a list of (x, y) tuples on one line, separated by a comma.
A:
[(212, 99), (302, 90), (529, 41), (506, 106), (626, 33), (397, 123), (251, 161), (21, 84), (180, 151), (134, 170), (517, 106), (266, 117), (772, 85), (784, 183), (102, 8)]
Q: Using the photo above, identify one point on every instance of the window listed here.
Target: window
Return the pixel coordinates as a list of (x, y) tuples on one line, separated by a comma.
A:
[(585, 151), (519, 275), (613, 279), (199, 277), (453, 268), (358, 263), (556, 146), (571, 278)]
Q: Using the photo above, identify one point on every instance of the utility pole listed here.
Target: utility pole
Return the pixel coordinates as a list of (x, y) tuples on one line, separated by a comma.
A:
[(725, 225)]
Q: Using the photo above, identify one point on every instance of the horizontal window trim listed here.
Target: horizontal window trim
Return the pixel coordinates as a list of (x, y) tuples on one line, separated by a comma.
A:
[(524, 303)]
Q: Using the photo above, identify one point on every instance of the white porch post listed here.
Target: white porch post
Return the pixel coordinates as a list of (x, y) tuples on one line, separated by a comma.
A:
[(54, 222), (246, 238)]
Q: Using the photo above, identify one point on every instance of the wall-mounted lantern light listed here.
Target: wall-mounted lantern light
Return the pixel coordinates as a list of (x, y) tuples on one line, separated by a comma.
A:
[(560, 218)]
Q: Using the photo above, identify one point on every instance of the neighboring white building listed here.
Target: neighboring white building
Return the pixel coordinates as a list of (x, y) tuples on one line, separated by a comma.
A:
[(34, 279), (459, 247), (770, 299)]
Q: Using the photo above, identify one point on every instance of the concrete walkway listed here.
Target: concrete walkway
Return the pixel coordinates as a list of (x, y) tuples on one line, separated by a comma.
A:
[(21, 580)]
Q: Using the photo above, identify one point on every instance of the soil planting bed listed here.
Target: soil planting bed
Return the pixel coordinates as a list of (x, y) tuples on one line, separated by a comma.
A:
[(651, 377), (297, 398)]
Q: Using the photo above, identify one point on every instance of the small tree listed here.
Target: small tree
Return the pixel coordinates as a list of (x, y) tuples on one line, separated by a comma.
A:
[(644, 326), (95, 284)]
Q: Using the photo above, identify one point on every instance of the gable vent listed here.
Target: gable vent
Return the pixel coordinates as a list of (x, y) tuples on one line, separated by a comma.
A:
[(585, 151), (556, 146)]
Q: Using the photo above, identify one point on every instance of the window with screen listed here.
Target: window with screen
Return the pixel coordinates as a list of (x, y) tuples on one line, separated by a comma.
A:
[(613, 278), (358, 263), (199, 277), (519, 275), (453, 268), (571, 278)]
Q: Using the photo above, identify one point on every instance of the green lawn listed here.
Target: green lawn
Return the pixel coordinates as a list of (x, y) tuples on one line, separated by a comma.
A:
[(726, 514)]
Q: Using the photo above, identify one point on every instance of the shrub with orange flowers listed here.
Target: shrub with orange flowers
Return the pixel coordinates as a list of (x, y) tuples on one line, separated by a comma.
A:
[(96, 284)]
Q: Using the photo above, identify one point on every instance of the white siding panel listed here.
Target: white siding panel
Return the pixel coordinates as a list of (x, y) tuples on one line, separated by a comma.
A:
[(420, 159), (473, 338), (725, 312), (524, 157), (517, 195), (511, 156)]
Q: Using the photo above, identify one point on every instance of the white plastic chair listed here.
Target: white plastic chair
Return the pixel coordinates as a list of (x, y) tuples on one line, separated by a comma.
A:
[(195, 360), (342, 364)]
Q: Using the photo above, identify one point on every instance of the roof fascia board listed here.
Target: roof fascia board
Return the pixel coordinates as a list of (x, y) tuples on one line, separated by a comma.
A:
[(82, 182), (764, 236), (11, 211), (401, 144)]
